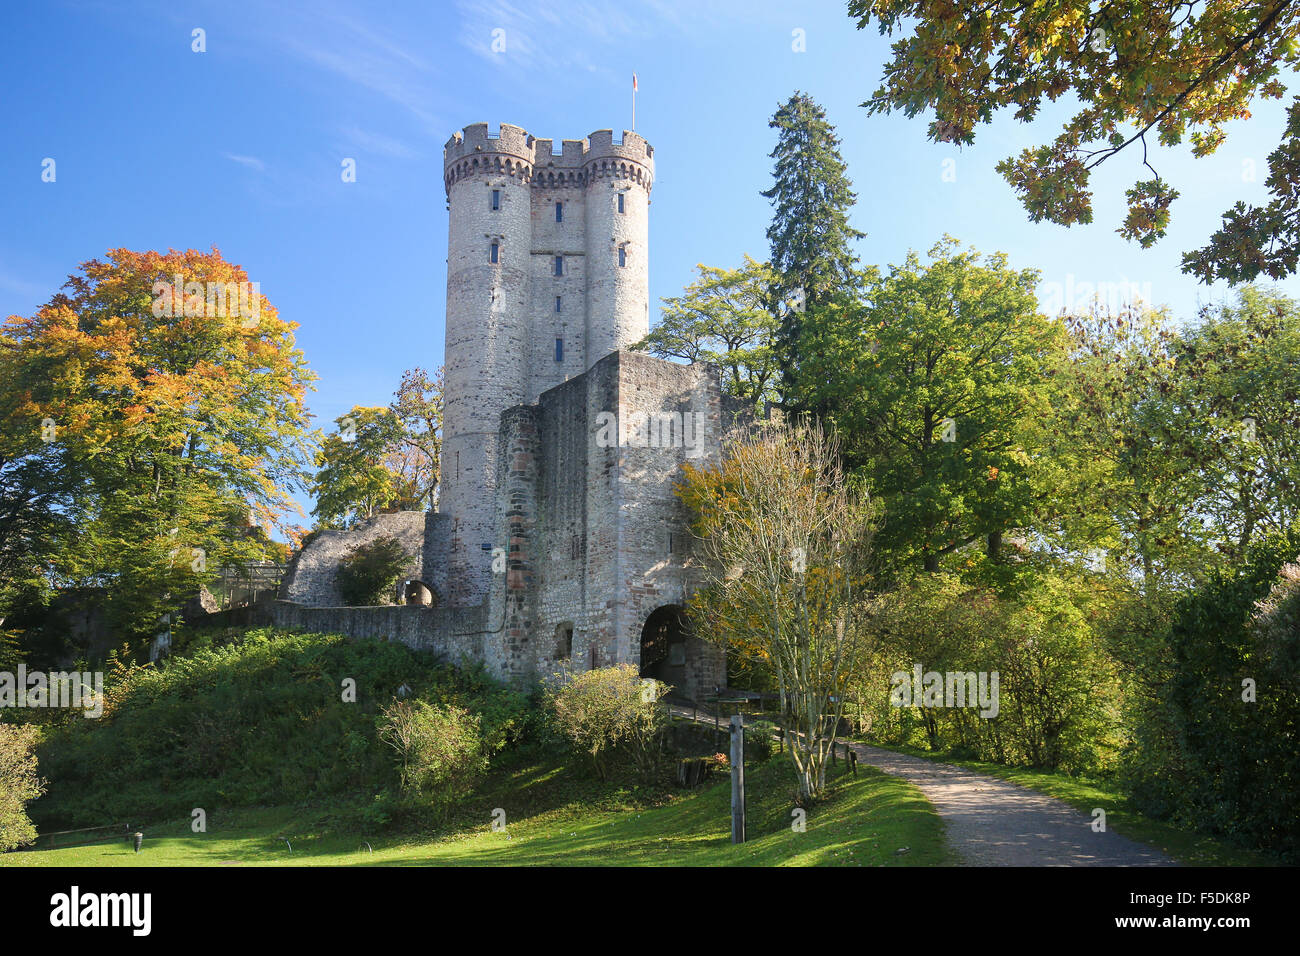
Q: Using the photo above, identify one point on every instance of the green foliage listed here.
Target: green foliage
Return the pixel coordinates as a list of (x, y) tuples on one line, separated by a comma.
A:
[(1259, 239), (353, 479), (1131, 414), (137, 442), (1238, 373), (784, 548), (810, 235), (1161, 68), (1205, 753), (610, 708), (440, 748), (1185, 441), (382, 457), (369, 573), (258, 721), (725, 318), (19, 784), (938, 387), (758, 740), (1057, 702), (418, 405), (11, 654)]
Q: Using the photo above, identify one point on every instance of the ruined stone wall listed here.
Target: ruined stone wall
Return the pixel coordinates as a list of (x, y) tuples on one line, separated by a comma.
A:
[(597, 539), (312, 578), (668, 415), (592, 535), (452, 633)]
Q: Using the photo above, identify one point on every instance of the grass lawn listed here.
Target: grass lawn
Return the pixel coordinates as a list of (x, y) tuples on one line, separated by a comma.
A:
[(1186, 846), (558, 818)]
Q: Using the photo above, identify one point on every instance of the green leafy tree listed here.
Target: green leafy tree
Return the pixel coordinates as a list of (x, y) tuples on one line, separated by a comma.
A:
[(38, 497), (165, 417), (939, 384), (353, 477), (418, 405), (725, 318), (1056, 703), (382, 457), (1238, 371), (1134, 417), (810, 235), (1164, 69)]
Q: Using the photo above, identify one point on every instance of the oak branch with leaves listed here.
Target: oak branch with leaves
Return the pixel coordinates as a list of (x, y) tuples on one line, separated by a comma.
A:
[(1144, 73)]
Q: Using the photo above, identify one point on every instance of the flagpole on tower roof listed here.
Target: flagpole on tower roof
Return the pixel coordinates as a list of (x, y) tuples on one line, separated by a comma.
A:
[(634, 102)]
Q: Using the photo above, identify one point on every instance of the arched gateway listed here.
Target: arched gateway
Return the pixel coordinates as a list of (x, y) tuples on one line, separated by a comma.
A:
[(671, 652)]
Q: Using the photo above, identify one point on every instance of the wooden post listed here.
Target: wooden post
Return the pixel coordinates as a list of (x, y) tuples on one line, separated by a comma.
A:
[(737, 779)]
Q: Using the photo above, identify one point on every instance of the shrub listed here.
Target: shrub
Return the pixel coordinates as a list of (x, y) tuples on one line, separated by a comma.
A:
[(612, 708), (368, 575), (1058, 694), (440, 748), (1209, 752), (758, 740), (18, 784)]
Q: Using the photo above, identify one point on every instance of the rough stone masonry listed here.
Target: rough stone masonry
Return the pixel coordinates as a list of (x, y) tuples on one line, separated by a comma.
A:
[(558, 541)]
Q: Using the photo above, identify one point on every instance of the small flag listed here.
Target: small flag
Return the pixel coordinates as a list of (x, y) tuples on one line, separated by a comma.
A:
[(634, 82)]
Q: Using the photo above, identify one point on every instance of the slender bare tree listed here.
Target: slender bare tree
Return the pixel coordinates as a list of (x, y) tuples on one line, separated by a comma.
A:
[(785, 543)]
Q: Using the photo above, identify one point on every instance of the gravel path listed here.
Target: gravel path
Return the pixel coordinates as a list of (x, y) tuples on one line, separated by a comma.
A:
[(995, 823)]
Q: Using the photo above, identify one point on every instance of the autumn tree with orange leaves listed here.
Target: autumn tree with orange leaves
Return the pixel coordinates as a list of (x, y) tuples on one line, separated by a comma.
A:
[(163, 397)]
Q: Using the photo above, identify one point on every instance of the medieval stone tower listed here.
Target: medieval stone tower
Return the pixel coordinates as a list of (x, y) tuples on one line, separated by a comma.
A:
[(559, 543), (547, 273)]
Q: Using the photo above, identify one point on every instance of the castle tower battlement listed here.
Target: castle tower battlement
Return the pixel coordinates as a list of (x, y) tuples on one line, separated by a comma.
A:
[(598, 154), (547, 273)]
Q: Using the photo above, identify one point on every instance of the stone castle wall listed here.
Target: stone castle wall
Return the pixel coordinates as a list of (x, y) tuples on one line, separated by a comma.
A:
[(597, 539), (312, 578)]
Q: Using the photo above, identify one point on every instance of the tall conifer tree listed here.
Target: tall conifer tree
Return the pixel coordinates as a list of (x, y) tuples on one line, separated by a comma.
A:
[(810, 232)]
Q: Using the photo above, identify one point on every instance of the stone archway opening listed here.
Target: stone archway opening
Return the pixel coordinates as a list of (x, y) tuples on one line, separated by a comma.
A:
[(419, 593), (664, 638)]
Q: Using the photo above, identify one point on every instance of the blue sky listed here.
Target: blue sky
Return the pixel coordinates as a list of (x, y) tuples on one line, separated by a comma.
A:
[(240, 147)]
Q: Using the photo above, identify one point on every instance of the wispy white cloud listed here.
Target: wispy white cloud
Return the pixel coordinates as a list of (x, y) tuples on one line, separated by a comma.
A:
[(377, 143), (544, 36), (365, 55), (370, 70), (252, 162), (11, 281)]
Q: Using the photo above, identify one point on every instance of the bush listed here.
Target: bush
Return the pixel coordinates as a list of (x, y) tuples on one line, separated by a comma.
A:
[(18, 784), (369, 574), (1205, 754), (440, 748), (758, 740), (612, 708), (1058, 692)]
